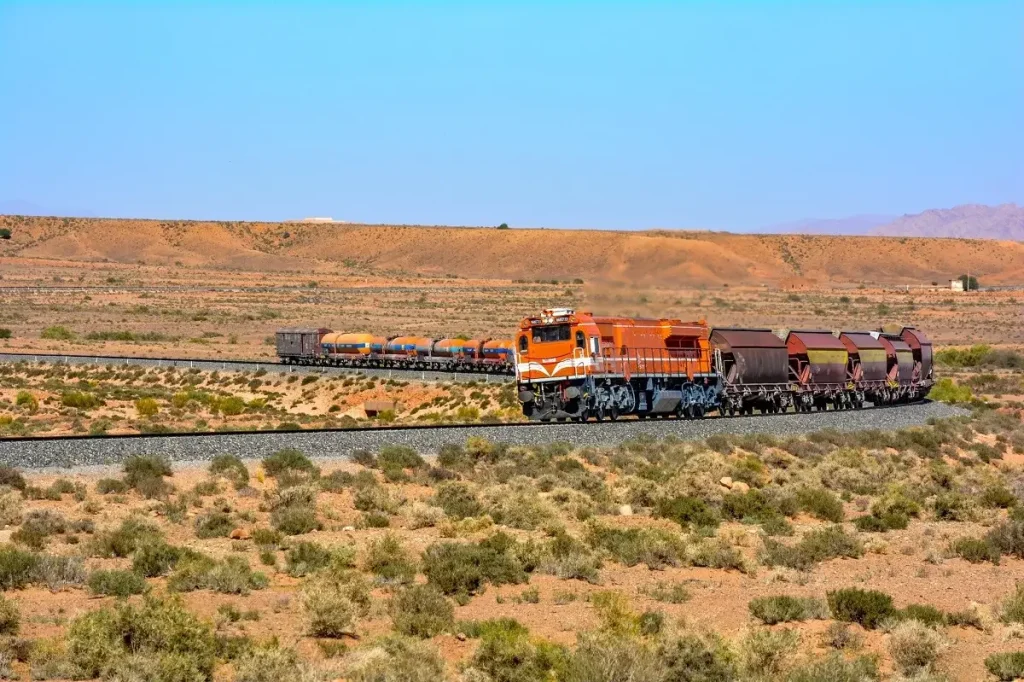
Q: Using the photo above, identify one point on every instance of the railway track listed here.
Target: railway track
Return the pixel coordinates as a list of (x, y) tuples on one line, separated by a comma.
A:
[(252, 365), (72, 451)]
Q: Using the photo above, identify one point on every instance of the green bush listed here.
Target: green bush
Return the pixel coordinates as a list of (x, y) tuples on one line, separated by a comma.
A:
[(914, 647), (688, 512), (835, 668), (145, 473), (1008, 538), (28, 401), (57, 333), (511, 655), (10, 618), (147, 407), (608, 657), (458, 500), (214, 524), (387, 559), (115, 583), (12, 478), (181, 647), (1006, 665), (232, 468), (422, 611), (395, 659), (975, 550), (5, 233), (125, 539), (332, 604), (948, 391), (462, 569), (17, 567), (1012, 609), (111, 486), (5, 333), (304, 558), (289, 460), (697, 658), (399, 457), (233, 575), (272, 664), (869, 608), (631, 546), (881, 524), (814, 547), (80, 400), (37, 526), (784, 609), (154, 557), (922, 613), (821, 504)]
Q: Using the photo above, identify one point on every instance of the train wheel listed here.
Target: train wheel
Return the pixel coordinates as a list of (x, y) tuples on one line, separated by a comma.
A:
[(599, 413), (614, 413)]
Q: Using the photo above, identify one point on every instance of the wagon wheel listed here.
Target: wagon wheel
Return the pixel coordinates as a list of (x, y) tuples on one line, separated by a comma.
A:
[(614, 413), (599, 413)]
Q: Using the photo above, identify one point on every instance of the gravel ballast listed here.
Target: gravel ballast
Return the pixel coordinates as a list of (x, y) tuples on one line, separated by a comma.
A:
[(36, 454)]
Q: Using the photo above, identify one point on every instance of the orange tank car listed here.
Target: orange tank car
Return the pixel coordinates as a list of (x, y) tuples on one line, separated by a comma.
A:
[(576, 365)]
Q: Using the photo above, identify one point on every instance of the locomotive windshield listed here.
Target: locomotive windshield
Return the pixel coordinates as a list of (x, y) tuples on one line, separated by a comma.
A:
[(554, 332)]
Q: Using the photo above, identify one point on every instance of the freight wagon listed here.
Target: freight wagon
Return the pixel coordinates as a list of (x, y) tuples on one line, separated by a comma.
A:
[(335, 349), (577, 366)]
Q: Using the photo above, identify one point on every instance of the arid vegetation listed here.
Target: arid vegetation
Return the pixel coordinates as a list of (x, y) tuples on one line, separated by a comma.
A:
[(48, 399), (835, 556)]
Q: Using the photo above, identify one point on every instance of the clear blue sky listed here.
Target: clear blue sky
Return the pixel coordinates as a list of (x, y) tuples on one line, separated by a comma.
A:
[(619, 115)]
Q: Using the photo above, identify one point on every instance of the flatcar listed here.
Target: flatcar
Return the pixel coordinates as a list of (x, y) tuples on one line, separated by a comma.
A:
[(577, 365), (325, 347)]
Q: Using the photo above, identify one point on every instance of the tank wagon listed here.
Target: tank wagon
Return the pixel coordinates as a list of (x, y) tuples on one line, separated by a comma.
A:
[(336, 349), (577, 366)]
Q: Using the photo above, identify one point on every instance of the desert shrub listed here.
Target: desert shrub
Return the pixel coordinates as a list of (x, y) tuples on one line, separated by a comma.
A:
[(784, 609), (58, 572), (1007, 665), (604, 657), (336, 481), (998, 497), (688, 512), (835, 668), (569, 559), (815, 546), (214, 524), (111, 486), (333, 603), (294, 511), (764, 654), (509, 654), (395, 659), (147, 407), (421, 611), (154, 558), (10, 618), (517, 506), (125, 539), (12, 478), (114, 583), (80, 400), (17, 567), (232, 468), (821, 504), (926, 614), (28, 401), (914, 646), (869, 608), (873, 523), (462, 568), (752, 506), (57, 333), (948, 391), (37, 526), (267, 537), (631, 546), (180, 647), (399, 457), (975, 550), (233, 575), (693, 657), (1012, 608), (670, 593), (289, 460), (952, 507), (145, 473), (387, 559), (1008, 538), (458, 500), (273, 664)]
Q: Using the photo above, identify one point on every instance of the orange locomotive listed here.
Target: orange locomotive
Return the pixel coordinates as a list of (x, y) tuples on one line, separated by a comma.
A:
[(573, 365)]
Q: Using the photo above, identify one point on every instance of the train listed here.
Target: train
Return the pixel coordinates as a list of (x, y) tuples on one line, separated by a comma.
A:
[(579, 366), (322, 346)]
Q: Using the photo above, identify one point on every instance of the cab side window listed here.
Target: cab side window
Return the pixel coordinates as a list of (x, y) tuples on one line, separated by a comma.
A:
[(581, 341), (524, 344)]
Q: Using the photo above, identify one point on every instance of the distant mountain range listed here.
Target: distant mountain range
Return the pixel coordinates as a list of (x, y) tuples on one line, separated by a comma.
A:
[(970, 221)]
